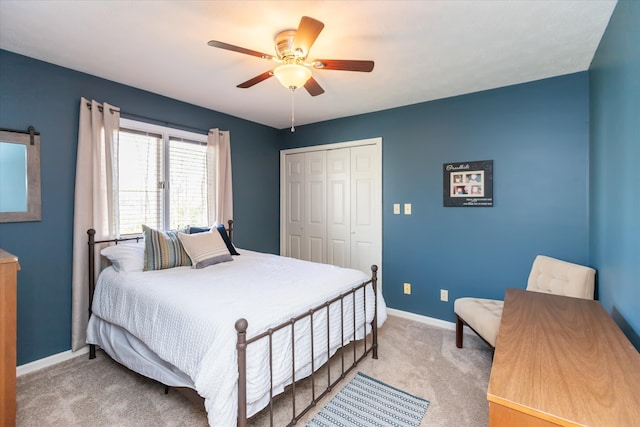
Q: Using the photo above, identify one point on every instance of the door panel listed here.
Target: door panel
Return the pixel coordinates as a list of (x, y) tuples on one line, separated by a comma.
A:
[(294, 249), (339, 207), (363, 203), (362, 256), (315, 202), (316, 249), (338, 253), (294, 168), (365, 209)]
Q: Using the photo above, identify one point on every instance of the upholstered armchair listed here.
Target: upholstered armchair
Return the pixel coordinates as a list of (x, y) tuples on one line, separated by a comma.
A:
[(548, 275)]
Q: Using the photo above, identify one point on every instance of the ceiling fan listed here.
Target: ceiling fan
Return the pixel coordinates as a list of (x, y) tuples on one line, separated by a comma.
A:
[(292, 48)]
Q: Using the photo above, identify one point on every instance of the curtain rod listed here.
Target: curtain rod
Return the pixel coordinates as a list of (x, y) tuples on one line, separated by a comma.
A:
[(138, 116)]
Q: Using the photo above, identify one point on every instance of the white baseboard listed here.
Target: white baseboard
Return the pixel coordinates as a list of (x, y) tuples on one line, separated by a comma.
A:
[(426, 319), (36, 365), (422, 319)]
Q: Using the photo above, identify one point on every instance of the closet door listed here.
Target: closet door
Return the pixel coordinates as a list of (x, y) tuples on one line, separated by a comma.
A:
[(366, 220), (315, 204), (295, 201), (339, 207), (332, 204)]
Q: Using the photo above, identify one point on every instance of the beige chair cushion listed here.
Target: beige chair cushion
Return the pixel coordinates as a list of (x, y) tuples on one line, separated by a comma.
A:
[(548, 275), (483, 315), (554, 276)]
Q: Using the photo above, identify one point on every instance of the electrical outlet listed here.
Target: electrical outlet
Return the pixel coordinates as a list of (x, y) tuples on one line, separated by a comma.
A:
[(396, 208), (444, 295), (407, 208), (407, 288)]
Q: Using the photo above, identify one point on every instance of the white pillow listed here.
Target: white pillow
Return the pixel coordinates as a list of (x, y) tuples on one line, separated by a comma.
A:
[(125, 256), (206, 248)]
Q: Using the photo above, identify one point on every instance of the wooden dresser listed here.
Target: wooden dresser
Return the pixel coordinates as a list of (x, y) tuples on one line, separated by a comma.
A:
[(8, 277), (562, 361)]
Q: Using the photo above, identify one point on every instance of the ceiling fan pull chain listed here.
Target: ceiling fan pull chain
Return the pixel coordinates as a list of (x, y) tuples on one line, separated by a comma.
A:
[(293, 91)]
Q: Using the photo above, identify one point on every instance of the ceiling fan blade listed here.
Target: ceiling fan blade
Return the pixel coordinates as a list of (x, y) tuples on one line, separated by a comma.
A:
[(307, 33), (227, 46), (343, 65), (313, 87), (256, 80)]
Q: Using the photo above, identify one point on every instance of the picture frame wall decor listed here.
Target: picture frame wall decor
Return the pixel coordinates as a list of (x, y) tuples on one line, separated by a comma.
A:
[(468, 184)]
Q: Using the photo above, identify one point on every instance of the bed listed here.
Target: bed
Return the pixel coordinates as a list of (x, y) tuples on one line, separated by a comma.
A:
[(237, 332)]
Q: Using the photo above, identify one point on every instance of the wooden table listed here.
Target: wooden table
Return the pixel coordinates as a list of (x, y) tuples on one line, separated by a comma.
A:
[(562, 361)]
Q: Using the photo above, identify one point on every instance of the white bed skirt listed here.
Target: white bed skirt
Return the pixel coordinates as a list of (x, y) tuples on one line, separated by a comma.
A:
[(129, 351)]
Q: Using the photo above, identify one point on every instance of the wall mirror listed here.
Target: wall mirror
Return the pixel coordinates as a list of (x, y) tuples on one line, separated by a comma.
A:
[(20, 175)]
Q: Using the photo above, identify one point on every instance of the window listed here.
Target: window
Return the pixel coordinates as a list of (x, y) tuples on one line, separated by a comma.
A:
[(162, 177)]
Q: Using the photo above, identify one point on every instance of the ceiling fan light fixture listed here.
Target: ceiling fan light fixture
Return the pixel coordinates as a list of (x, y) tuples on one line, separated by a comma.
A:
[(292, 76)]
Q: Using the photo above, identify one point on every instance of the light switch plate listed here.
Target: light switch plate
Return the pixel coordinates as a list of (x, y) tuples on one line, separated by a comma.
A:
[(396, 208), (407, 208)]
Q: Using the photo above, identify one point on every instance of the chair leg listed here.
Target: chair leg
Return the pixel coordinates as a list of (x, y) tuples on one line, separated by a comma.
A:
[(459, 328)]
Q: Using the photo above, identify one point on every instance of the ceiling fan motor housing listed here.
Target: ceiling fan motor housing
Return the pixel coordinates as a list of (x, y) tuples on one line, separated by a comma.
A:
[(285, 47)]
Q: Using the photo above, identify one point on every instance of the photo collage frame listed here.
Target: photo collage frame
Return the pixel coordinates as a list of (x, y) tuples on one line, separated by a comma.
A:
[(468, 184)]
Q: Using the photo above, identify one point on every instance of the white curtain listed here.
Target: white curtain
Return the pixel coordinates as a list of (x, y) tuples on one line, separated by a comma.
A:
[(219, 188), (96, 200)]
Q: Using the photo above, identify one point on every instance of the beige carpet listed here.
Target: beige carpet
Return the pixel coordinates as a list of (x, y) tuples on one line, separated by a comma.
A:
[(420, 359)]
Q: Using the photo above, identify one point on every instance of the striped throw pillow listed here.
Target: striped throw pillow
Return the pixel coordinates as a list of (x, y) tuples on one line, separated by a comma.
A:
[(162, 249), (206, 248)]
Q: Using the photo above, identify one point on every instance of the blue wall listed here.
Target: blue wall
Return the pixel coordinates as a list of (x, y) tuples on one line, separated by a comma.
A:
[(615, 156), (551, 194), (537, 134), (48, 97)]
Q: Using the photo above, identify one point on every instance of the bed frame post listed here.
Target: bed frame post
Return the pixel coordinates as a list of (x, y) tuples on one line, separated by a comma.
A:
[(374, 322), (230, 229), (92, 275), (241, 328)]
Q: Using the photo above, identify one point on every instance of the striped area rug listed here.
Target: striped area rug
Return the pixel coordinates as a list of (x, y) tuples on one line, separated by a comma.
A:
[(367, 402)]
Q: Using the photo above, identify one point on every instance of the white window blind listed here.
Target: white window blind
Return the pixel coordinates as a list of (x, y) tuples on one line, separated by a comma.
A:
[(162, 176), (140, 179), (187, 183)]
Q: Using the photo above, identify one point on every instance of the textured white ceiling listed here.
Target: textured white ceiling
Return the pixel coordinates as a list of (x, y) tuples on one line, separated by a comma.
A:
[(423, 50)]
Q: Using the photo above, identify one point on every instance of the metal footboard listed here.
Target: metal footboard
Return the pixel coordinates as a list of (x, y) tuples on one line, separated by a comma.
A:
[(243, 342)]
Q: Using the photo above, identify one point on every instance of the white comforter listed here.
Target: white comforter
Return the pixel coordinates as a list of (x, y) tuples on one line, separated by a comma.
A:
[(187, 316)]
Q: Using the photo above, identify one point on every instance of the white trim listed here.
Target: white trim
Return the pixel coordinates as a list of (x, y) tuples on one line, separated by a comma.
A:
[(422, 319), (333, 146), (163, 130), (46, 362), (426, 320)]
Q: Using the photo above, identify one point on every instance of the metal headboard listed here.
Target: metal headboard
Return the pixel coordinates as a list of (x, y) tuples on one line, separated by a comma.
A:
[(92, 242)]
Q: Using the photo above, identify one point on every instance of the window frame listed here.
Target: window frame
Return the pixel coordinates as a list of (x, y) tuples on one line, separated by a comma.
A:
[(167, 133)]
